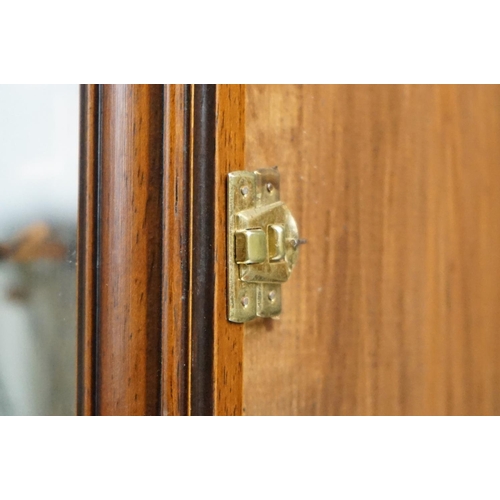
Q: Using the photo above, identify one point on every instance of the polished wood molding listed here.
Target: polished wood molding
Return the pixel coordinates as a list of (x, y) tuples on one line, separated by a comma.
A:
[(120, 250), (87, 248), (129, 320), (176, 254), (204, 138), (153, 331), (202, 248)]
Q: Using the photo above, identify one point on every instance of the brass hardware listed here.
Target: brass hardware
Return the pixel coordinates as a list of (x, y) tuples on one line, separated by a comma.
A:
[(262, 244)]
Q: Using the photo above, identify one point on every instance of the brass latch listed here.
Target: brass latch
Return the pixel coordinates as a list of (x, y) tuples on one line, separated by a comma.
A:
[(262, 244)]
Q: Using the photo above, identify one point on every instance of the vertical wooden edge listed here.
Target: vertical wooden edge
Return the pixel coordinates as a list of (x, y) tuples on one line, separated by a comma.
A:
[(130, 250), (228, 337), (176, 217), (201, 352), (203, 219), (87, 246)]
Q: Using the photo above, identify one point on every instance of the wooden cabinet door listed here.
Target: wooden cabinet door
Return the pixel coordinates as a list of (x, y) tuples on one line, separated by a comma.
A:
[(392, 308)]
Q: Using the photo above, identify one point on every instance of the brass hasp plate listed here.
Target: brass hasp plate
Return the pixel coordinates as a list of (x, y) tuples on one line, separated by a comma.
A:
[(262, 244)]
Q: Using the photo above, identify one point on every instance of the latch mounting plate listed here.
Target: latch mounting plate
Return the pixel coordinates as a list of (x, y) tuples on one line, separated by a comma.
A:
[(262, 244)]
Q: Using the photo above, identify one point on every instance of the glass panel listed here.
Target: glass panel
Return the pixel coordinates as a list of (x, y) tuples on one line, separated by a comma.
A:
[(38, 213)]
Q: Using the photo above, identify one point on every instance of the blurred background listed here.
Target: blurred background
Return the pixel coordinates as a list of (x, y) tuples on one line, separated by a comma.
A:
[(38, 211)]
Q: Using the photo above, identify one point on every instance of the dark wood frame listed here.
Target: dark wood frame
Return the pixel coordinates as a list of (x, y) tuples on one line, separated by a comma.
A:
[(153, 333)]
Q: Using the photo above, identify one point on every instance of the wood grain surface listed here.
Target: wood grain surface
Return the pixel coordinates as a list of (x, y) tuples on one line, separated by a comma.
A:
[(202, 351), (393, 307), (228, 341), (130, 254), (176, 256), (153, 331)]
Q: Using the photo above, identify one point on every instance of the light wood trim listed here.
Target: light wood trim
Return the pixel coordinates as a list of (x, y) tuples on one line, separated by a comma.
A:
[(228, 342)]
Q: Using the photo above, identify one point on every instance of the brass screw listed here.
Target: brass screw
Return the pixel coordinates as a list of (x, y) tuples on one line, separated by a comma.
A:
[(244, 190), (269, 187), (272, 296), (244, 301)]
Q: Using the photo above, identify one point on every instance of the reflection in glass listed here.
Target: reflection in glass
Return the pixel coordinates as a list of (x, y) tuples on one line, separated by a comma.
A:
[(38, 210)]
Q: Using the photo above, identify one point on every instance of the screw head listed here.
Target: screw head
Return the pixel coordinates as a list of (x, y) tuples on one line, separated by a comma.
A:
[(244, 301), (272, 296), (244, 190), (269, 187)]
